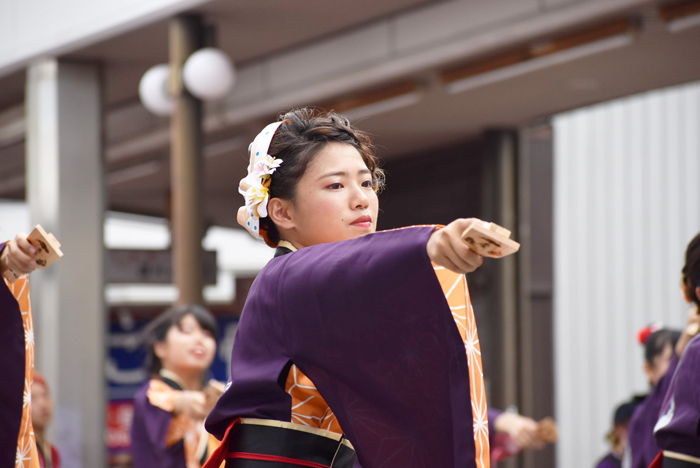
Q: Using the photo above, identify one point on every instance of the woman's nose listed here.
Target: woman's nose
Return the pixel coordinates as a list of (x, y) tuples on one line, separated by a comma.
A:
[(360, 199)]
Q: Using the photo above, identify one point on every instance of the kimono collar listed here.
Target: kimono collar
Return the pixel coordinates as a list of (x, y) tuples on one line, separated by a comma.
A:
[(287, 245), (284, 247), (171, 379)]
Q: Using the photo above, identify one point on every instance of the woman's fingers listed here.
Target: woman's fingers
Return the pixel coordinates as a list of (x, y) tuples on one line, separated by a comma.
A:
[(469, 259), (20, 255), (24, 245), (446, 248)]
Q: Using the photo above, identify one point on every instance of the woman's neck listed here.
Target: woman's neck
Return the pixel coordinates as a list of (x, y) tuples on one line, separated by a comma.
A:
[(187, 380)]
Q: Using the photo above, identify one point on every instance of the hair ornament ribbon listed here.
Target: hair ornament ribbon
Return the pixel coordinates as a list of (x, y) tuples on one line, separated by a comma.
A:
[(644, 334), (255, 187)]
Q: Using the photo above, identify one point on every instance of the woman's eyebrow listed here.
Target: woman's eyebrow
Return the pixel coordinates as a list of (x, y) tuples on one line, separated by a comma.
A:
[(334, 174), (343, 173)]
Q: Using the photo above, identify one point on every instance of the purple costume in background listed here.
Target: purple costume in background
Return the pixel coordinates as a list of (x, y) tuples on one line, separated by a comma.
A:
[(678, 428), (367, 321), (12, 373), (640, 433), (148, 432), (610, 461)]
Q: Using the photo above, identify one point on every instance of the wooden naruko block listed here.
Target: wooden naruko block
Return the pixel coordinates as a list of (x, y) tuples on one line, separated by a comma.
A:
[(48, 250), (489, 240), (212, 392)]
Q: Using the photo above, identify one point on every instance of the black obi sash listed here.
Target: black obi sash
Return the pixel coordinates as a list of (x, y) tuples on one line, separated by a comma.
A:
[(266, 443), (669, 461)]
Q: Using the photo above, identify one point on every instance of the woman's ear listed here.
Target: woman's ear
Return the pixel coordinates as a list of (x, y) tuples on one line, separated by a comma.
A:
[(160, 349), (281, 212)]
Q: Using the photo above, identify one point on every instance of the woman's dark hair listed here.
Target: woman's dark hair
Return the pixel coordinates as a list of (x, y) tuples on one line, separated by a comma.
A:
[(691, 269), (157, 330), (657, 342), (304, 133)]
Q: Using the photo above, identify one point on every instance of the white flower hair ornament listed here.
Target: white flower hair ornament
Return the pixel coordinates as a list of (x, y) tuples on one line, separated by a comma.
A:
[(255, 187)]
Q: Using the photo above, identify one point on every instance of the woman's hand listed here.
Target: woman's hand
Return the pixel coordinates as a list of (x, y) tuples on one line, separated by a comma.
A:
[(192, 404), (446, 248), (521, 429), (18, 256)]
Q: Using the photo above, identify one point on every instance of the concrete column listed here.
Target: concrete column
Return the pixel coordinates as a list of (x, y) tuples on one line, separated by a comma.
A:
[(185, 37), (500, 206), (65, 192)]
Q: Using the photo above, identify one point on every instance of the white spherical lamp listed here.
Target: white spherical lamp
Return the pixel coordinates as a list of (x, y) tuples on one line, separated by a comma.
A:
[(208, 74), (153, 90)]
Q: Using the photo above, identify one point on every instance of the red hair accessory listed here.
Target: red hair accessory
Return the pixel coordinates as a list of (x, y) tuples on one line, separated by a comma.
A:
[(644, 334)]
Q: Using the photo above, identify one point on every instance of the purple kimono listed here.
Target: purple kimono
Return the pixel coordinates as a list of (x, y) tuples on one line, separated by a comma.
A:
[(12, 373), (367, 321), (610, 461), (149, 429), (640, 432), (678, 427)]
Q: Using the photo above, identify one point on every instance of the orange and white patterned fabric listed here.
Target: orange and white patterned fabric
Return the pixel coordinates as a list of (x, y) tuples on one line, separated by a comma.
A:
[(308, 406), (456, 291), (27, 456), (310, 409)]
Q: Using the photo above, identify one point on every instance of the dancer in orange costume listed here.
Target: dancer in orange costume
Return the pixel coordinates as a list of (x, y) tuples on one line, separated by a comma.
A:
[(17, 443)]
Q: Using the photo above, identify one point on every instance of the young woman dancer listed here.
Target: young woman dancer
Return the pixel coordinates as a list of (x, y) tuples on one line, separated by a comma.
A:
[(17, 443), (677, 431), (42, 412), (169, 409), (618, 435), (348, 338), (660, 360)]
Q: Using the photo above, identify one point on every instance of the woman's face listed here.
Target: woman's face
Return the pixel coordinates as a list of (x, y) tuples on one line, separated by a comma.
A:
[(42, 406), (661, 364), (335, 199), (187, 348)]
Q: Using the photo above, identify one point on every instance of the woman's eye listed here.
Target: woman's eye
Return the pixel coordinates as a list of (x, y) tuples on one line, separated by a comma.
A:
[(368, 184), (335, 186)]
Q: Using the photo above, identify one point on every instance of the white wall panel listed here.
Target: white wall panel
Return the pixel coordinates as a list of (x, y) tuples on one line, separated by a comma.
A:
[(627, 202)]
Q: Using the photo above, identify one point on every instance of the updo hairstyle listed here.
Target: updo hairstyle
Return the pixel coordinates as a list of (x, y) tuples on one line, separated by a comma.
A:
[(302, 135)]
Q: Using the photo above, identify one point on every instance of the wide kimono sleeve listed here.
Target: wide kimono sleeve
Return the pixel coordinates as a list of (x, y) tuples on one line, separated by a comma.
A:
[(12, 373), (678, 427), (149, 432), (367, 321), (17, 443)]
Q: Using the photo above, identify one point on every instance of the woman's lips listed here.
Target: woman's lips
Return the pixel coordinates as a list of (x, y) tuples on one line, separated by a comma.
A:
[(363, 222), (197, 352)]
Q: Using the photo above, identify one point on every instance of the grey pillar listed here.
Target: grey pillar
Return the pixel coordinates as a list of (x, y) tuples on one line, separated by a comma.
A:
[(535, 277), (65, 191), (185, 37), (500, 206)]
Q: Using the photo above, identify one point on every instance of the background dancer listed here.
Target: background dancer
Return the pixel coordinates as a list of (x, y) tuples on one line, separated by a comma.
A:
[(618, 435), (660, 360), (42, 412), (169, 409)]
